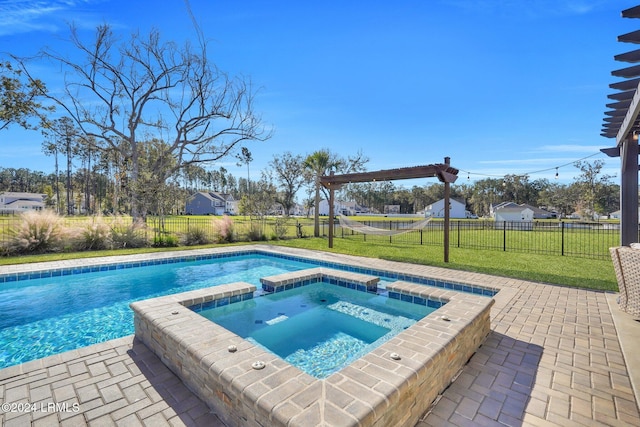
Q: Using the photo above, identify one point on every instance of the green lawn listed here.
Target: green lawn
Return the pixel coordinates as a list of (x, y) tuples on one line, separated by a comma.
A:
[(559, 270)]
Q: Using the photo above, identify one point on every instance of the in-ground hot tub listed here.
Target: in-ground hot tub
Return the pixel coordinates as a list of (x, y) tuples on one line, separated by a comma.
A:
[(246, 385), (319, 323)]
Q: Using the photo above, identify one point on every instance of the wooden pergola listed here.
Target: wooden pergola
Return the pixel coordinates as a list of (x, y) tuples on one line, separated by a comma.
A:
[(443, 171), (622, 123)]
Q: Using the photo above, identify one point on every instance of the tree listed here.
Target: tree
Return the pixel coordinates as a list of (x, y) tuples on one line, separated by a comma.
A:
[(63, 137), (257, 206), (245, 158), (50, 147), (559, 197), (286, 169), (592, 187), (147, 88), (320, 163), (19, 100)]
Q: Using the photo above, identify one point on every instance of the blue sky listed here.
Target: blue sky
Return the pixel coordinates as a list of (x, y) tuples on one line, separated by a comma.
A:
[(501, 87)]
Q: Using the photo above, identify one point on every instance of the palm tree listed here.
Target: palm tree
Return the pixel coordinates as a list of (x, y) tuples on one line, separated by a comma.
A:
[(319, 163)]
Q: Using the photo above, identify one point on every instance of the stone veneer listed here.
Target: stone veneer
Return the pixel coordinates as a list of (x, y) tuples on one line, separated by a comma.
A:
[(375, 390)]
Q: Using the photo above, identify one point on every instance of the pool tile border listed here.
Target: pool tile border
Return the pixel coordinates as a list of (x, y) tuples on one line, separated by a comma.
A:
[(29, 272)]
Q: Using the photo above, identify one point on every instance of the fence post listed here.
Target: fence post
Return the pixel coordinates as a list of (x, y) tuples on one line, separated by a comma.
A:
[(562, 238), (458, 233), (421, 236), (389, 230), (504, 236)]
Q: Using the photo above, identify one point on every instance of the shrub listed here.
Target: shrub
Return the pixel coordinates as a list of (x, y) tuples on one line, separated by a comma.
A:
[(37, 232), (126, 234), (195, 236), (165, 241), (224, 229), (256, 232), (95, 235), (280, 228)]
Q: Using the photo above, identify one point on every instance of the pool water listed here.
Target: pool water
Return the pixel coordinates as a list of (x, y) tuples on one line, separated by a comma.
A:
[(42, 317), (319, 328)]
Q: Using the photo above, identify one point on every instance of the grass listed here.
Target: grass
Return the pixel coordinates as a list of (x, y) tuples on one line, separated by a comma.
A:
[(567, 271), (558, 270)]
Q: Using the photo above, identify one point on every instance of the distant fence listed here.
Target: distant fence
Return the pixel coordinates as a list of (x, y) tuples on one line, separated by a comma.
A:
[(578, 239), (158, 229)]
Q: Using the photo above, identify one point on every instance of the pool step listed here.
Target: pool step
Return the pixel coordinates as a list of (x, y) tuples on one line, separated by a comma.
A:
[(295, 279)]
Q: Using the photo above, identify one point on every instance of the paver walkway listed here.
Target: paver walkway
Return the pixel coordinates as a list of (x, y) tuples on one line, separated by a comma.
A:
[(554, 358)]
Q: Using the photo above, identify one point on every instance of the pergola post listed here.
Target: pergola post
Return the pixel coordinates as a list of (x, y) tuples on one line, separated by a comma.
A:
[(629, 191), (447, 196), (331, 212)]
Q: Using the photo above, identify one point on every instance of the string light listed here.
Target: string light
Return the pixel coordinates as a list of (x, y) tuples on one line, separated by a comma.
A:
[(533, 172)]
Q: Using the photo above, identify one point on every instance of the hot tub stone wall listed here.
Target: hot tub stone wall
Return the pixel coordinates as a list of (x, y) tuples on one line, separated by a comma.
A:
[(375, 390)]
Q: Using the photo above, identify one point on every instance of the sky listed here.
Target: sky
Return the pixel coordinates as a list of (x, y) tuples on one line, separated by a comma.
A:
[(500, 87)]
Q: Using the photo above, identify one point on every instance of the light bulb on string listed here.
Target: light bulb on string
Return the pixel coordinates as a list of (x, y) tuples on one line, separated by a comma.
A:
[(556, 173)]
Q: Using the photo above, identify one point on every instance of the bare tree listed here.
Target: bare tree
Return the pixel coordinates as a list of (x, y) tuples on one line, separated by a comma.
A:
[(144, 88)]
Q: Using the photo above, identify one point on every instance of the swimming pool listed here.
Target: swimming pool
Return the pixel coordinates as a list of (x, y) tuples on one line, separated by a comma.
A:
[(49, 311), (45, 316)]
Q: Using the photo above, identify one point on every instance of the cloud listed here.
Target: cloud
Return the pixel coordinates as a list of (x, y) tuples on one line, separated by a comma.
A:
[(567, 148), (527, 162), (528, 8), (24, 16)]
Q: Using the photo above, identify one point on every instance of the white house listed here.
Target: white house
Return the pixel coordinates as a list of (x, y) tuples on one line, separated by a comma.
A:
[(538, 213), (211, 203), (339, 208), (436, 209), (15, 202), (513, 213)]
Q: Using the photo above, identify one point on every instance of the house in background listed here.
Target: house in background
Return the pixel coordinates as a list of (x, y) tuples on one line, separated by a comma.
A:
[(339, 207), (436, 209), (538, 213), (211, 203), (15, 203), (512, 216)]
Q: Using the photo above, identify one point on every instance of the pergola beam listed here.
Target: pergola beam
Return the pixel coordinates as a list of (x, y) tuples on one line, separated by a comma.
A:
[(443, 172)]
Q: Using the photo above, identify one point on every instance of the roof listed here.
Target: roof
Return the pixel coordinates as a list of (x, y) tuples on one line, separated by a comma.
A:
[(23, 203), (515, 208), (22, 195), (621, 117), (212, 195)]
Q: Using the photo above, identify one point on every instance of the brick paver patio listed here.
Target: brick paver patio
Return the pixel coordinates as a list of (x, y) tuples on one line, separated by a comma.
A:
[(554, 358)]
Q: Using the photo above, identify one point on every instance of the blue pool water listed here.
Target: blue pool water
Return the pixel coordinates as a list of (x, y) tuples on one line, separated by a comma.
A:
[(319, 328), (42, 317)]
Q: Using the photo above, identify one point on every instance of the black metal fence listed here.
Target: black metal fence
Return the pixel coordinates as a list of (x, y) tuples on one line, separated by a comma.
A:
[(580, 239), (563, 238)]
